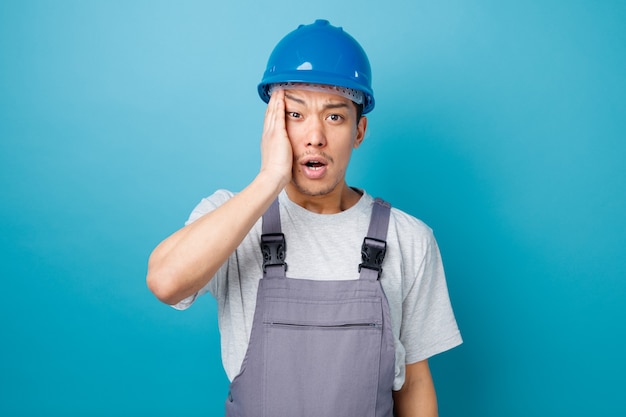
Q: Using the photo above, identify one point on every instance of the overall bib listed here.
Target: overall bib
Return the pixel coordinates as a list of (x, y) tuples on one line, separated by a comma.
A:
[(318, 348)]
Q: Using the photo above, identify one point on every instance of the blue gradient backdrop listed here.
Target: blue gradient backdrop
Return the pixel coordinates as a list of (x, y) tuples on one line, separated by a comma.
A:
[(499, 123)]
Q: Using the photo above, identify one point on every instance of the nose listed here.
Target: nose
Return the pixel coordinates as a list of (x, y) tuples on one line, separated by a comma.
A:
[(316, 134)]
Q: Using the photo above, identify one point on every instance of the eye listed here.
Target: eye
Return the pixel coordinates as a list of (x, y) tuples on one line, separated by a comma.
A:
[(335, 117), (293, 115)]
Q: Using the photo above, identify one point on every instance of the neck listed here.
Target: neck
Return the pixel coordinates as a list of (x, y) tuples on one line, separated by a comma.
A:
[(338, 200)]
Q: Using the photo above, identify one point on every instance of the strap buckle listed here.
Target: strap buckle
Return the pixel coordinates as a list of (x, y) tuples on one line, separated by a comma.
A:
[(372, 254), (273, 246)]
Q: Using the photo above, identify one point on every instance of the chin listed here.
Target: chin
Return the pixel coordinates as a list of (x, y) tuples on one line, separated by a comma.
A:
[(314, 190)]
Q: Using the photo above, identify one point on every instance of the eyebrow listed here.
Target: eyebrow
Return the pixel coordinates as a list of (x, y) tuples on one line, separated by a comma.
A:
[(326, 106)]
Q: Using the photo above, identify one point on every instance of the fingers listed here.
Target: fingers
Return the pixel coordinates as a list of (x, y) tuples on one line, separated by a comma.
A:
[(275, 112), (275, 129), (276, 151)]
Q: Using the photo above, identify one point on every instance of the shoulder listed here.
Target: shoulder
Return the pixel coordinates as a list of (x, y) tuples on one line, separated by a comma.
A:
[(404, 222), (402, 225), (406, 232), (210, 203), (413, 239)]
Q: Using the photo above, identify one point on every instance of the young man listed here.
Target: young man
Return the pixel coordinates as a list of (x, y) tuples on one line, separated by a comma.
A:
[(330, 302)]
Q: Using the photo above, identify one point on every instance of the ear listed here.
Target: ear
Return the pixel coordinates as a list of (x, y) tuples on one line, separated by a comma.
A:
[(361, 127)]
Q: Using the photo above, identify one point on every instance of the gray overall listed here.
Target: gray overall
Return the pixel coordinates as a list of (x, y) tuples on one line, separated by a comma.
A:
[(318, 348)]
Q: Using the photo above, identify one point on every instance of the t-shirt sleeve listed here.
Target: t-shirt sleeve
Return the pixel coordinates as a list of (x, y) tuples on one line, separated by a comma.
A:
[(428, 323), (205, 206)]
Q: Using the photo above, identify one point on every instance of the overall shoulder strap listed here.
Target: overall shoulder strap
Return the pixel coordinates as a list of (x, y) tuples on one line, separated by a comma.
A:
[(271, 218), (273, 244), (375, 243)]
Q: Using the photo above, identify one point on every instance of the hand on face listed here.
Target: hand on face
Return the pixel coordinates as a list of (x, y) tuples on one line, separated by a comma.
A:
[(276, 150)]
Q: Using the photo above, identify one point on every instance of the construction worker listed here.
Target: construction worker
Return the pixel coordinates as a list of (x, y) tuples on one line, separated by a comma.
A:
[(330, 302)]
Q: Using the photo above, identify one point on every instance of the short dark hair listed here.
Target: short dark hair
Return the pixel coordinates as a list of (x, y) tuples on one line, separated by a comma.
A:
[(359, 111)]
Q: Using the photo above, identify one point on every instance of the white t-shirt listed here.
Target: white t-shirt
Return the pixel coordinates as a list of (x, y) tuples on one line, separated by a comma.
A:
[(328, 246)]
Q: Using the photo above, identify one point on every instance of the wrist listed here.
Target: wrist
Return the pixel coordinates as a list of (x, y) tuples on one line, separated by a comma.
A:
[(274, 179)]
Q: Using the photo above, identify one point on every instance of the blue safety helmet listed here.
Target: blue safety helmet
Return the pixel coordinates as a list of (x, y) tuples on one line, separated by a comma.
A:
[(319, 53)]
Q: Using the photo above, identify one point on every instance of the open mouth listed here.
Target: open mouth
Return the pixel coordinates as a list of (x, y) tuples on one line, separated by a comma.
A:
[(315, 165)]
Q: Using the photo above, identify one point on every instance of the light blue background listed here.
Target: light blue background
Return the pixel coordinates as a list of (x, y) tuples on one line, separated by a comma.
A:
[(499, 123)]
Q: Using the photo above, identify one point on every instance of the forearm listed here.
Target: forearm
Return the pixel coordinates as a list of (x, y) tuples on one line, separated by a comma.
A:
[(184, 262), (417, 398)]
